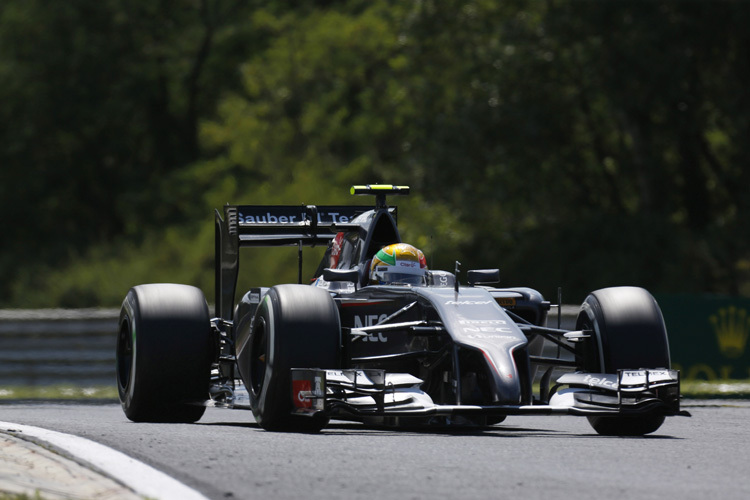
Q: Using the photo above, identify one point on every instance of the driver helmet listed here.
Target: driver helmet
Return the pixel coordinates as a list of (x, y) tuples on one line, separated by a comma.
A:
[(398, 263)]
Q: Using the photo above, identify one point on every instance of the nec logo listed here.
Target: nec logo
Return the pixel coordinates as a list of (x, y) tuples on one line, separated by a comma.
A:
[(371, 320)]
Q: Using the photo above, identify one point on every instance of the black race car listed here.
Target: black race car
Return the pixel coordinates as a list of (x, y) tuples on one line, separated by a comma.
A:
[(434, 352)]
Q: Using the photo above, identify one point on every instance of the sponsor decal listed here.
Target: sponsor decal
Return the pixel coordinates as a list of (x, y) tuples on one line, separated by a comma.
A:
[(407, 263), (319, 404), (485, 326), (269, 218), (505, 301), (732, 327), (602, 382), (336, 245), (485, 336), (318, 385), (337, 218), (299, 388), (653, 374), (371, 320), (714, 335), (485, 329), (442, 279)]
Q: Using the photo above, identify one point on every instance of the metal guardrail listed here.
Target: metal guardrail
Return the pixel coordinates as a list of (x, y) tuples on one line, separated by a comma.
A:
[(58, 346), (77, 346)]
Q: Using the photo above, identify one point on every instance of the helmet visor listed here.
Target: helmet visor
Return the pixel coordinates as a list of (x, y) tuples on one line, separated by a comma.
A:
[(394, 278)]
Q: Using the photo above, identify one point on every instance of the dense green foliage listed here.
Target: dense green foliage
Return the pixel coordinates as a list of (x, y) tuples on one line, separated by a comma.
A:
[(570, 143)]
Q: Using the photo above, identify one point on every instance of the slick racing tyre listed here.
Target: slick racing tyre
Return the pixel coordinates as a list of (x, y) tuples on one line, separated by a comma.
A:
[(630, 333), (295, 326), (164, 353)]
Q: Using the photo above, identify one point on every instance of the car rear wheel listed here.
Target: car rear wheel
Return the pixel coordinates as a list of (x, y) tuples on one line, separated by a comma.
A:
[(164, 353), (295, 326), (630, 334)]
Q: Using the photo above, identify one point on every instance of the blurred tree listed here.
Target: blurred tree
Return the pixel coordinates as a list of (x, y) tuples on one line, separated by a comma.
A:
[(598, 142), (101, 101), (570, 143), (322, 108)]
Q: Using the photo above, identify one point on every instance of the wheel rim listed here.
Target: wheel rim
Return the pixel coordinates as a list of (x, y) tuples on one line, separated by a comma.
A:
[(124, 356), (590, 361), (258, 353)]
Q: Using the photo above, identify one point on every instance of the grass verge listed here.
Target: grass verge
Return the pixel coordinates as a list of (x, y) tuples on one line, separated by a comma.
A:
[(718, 389), (20, 496), (58, 392)]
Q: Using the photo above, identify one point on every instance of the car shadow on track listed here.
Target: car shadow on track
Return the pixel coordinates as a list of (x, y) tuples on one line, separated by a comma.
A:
[(499, 431), (492, 431)]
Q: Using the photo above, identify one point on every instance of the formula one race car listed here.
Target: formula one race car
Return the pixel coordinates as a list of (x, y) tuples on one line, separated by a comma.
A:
[(385, 343)]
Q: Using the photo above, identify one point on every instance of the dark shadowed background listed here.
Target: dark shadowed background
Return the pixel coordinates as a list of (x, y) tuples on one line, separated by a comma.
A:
[(569, 143)]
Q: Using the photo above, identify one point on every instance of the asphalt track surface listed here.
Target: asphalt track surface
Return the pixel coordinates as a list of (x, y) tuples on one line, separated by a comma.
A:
[(227, 456)]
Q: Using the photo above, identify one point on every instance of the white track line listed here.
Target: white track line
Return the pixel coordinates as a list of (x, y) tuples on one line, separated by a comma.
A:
[(141, 478)]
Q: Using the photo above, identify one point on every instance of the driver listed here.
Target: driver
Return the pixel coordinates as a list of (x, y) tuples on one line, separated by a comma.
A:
[(398, 263)]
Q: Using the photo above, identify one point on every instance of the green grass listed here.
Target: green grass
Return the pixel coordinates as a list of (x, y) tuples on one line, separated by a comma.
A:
[(719, 389), (62, 392), (20, 496)]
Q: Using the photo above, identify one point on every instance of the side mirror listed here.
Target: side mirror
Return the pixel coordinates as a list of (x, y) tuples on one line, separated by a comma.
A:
[(351, 275), (480, 276)]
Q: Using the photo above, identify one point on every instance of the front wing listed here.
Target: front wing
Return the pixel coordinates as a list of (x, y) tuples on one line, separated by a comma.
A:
[(362, 394)]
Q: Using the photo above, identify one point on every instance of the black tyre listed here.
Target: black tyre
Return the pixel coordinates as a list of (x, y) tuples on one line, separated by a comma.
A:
[(630, 334), (295, 326), (164, 353)]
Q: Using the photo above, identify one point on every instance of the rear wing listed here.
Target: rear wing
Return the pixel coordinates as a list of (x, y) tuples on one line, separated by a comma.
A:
[(288, 225), (272, 226)]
